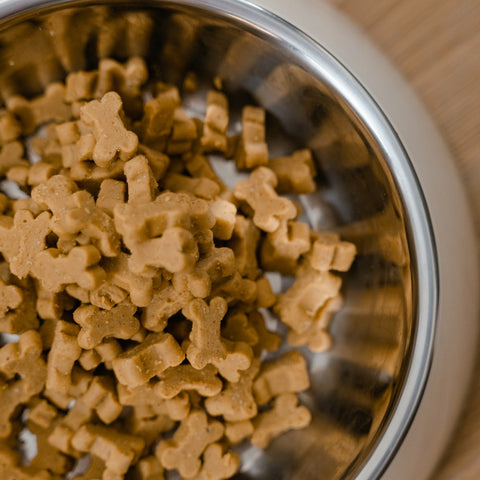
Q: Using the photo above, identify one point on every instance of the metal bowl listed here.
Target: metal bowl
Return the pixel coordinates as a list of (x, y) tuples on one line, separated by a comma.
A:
[(367, 389)]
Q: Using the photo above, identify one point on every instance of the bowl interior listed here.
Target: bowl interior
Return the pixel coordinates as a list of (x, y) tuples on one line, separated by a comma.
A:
[(357, 383)]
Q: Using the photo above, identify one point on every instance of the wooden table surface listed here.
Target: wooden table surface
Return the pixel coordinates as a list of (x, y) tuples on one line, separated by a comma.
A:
[(436, 45)]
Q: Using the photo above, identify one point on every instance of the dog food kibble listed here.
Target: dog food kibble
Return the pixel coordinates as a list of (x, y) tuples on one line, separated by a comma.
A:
[(134, 284)]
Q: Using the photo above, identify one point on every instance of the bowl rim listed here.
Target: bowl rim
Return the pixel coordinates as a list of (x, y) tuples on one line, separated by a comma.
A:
[(362, 105)]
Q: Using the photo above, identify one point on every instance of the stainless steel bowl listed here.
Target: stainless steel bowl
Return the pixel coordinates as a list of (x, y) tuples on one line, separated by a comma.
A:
[(368, 387)]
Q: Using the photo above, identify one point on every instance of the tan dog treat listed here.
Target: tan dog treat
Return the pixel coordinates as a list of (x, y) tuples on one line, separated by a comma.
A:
[(236, 401), (26, 204), (75, 212), (148, 404), (17, 309), (265, 296), (51, 305), (236, 327), (63, 354), (22, 238), (199, 166), (316, 336), (118, 450), (225, 214), (258, 191), (244, 243), (201, 187), (295, 173), (79, 86), (330, 253), (213, 268), (236, 432), (18, 175), (286, 374), (236, 289), (148, 425), (142, 186), (184, 377), (207, 345), (148, 468), (101, 396), (108, 350), (97, 324), (51, 106), (175, 251), (21, 108), (157, 121), (77, 292), (189, 441), (139, 364), (183, 133), (281, 249), (79, 266), (267, 340), (112, 192), (12, 155), (158, 161), (166, 301), (41, 421), (22, 360), (214, 136), (112, 137), (10, 129), (62, 434), (252, 151), (138, 223), (298, 306), (107, 295), (218, 465), (127, 80), (54, 193), (40, 172), (42, 415), (89, 360), (139, 288), (285, 415), (160, 234)]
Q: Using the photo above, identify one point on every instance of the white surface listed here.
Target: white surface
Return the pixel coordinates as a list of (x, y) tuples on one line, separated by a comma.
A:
[(457, 329)]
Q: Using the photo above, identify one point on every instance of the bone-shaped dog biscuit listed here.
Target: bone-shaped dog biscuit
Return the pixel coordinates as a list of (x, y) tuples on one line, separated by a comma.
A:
[(252, 151), (63, 354), (139, 364), (118, 450), (285, 374), (236, 401), (295, 173), (110, 133), (184, 377), (189, 441), (258, 191), (79, 266), (22, 238), (298, 306), (285, 415), (142, 186), (17, 309), (96, 324), (214, 136), (218, 465)]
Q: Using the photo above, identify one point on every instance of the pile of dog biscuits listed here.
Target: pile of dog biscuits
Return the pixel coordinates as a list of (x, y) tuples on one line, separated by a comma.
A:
[(134, 281)]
